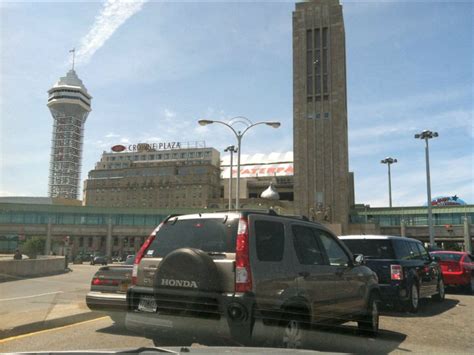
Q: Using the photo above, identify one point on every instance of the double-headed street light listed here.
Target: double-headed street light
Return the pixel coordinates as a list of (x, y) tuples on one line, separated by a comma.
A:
[(427, 135), (232, 150), (247, 124), (389, 161)]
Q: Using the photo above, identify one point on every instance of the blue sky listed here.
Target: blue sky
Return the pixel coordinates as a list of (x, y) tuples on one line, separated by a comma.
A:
[(409, 67)]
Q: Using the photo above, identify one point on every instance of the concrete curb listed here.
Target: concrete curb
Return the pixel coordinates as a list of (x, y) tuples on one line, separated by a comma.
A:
[(7, 278), (49, 324)]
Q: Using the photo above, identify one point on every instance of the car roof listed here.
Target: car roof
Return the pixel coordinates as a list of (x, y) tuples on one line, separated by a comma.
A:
[(447, 252), (375, 237)]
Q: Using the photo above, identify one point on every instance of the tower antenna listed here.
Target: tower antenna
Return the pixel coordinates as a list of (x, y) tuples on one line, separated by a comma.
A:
[(73, 51)]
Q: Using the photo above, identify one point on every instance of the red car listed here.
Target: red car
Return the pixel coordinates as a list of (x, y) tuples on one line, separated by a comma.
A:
[(457, 268)]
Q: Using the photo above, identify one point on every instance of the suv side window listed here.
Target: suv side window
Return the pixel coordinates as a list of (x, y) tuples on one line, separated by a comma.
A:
[(414, 251), (424, 254), (402, 249), (307, 247), (336, 255), (270, 239)]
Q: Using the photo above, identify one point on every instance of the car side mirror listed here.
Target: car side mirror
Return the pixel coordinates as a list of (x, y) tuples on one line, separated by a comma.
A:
[(358, 259)]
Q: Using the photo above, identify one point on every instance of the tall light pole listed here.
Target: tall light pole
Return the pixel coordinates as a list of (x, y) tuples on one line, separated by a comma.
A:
[(247, 124), (427, 135), (232, 150), (389, 161)]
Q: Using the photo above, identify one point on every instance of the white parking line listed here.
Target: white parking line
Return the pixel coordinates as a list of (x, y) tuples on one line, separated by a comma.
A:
[(20, 298)]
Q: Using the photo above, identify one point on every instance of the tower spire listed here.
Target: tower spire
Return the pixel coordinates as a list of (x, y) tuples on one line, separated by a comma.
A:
[(73, 51)]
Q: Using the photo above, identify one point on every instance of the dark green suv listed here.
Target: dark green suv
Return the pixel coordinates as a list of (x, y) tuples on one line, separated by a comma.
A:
[(230, 270)]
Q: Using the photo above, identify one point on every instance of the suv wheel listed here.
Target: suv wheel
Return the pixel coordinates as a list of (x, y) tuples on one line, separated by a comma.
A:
[(439, 297), (412, 304), (292, 330), (370, 323), (292, 334)]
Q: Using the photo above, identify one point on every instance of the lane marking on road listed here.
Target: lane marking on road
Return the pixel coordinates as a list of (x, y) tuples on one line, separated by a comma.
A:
[(21, 298), (50, 330)]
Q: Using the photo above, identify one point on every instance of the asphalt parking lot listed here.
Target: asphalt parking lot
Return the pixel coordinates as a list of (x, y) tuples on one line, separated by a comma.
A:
[(437, 328)]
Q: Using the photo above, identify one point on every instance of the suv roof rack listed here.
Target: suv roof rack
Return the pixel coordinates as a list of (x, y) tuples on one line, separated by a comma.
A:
[(270, 212), (171, 216)]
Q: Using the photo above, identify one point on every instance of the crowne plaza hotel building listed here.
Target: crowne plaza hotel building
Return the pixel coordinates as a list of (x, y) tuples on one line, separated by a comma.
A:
[(145, 176)]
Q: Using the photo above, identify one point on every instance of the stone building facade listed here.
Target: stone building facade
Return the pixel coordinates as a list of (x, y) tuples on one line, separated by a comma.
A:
[(320, 143), (153, 178)]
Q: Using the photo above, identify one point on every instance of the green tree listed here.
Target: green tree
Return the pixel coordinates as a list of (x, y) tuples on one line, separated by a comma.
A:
[(33, 246)]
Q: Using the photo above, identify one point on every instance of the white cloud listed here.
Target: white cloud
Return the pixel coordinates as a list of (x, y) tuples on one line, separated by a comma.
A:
[(114, 13), (410, 114), (169, 113), (112, 135)]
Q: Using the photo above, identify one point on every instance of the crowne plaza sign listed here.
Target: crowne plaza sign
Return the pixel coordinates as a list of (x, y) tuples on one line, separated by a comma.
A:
[(146, 147)]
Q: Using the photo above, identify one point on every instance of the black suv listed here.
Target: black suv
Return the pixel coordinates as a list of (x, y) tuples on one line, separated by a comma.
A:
[(234, 269), (406, 271)]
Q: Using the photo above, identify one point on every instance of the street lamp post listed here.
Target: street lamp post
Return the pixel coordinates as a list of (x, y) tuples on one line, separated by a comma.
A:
[(389, 161), (427, 135), (239, 134), (232, 150)]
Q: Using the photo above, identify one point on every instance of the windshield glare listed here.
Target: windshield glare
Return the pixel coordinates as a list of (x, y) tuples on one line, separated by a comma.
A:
[(182, 173)]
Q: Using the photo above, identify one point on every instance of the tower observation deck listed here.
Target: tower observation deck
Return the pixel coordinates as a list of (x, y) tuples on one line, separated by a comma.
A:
[(70, 105)]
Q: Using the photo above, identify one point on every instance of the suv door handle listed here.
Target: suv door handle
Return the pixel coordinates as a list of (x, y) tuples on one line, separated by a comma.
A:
[(305, 274)]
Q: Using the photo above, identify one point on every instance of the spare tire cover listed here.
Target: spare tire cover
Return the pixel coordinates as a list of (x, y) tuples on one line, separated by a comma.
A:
[(187, 269)]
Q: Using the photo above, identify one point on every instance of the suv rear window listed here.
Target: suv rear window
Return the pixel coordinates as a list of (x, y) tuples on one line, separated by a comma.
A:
[(448, 257), (207, 234), (371, 248)]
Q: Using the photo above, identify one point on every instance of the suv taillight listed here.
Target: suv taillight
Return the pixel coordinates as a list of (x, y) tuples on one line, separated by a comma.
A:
[(396, 272), (140, 254), (243, 276)]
